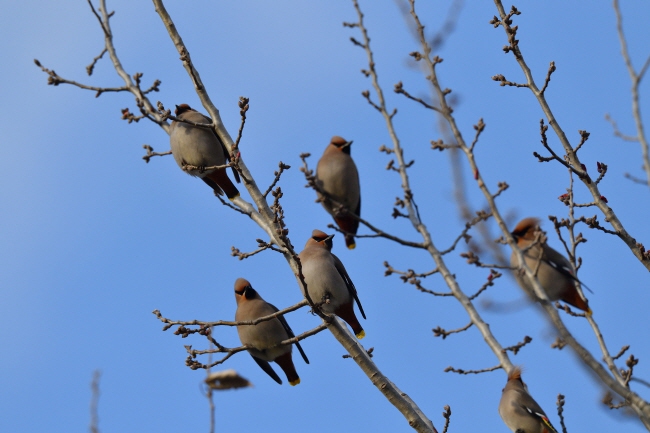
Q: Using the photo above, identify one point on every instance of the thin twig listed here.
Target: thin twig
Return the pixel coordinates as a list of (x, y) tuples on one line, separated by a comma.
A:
[(399, 89), (461, 371), (447, 416), (440, 332), (94, 402), (542, 130), (277, 174), (169, 323), (636, 80), (151, 153), (489, 283), (479, 127), (243, 108), (617, 132), (210, 394), (517, 347), (551, 69), (560, 411), (636, 179), (91, 67), (621, 352), (235, 252), (54, 80)]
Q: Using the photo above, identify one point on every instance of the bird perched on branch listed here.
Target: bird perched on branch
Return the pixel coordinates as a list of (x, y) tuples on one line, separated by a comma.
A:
[(201, 148), (519, 411), (337, 176), (328, 281), (554, 272), (262, 339)]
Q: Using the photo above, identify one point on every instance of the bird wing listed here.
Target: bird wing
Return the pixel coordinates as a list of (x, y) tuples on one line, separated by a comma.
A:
[(527, 403), (558, 262), (290, 333), (227, 155), (206, 119), (268, 369), (358, 211), (348, 282), (542, 418)]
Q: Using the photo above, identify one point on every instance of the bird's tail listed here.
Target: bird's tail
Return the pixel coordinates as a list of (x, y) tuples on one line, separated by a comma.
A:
[(220, 182), (286, 364), (346, 313), (573, 298), (349, 225)]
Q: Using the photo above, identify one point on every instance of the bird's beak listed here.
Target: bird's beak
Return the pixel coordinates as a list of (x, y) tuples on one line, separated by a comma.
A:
[(349, 143)]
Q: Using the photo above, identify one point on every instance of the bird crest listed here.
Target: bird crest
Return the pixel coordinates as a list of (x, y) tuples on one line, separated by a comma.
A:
[(182, 108), (341, 144), (515, 373), (526, 228), (245, 289), (320, 237)]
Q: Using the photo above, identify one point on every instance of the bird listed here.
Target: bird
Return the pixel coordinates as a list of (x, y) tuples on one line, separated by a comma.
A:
[(262, 339), (337, 176), (200, 147), (519, 411), (554, 272), (328, 281)]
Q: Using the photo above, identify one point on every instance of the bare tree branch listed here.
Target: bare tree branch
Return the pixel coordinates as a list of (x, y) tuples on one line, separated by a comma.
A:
[(571, 155), (272, 223), (641, 407), (461, 371), (636, 80)]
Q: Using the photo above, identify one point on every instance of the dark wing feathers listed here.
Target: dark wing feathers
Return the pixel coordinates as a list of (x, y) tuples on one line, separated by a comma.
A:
[(268, 369), (348, 283), (290, 333)]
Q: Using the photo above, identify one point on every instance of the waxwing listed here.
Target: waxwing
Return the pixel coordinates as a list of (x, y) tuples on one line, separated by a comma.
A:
[(200, 147), (337, 175), (262, 339), (553, 270), (519, 411), (328, 281)]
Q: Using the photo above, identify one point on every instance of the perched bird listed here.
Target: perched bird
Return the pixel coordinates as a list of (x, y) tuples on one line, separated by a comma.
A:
[(519, 411), (328, 282), (263, 339), (200, 147), (553, 270), (337, 175)]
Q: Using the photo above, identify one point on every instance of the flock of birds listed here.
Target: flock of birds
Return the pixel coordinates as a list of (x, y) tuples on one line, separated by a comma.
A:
[(197, 150)]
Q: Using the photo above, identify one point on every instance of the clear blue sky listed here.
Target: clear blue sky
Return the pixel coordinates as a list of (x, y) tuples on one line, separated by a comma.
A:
[(93, 239)]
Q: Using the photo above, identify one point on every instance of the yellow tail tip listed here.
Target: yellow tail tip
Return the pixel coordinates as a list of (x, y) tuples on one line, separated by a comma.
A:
[(233, 198), (361, 334), (352, 246), (589, 313), (295, 382)]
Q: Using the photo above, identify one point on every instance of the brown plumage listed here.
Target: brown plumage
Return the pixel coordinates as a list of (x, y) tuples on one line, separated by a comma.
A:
[(519, 411), (337, 175), (200, 147), (262, 339), (327, 280), (554, 272)]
